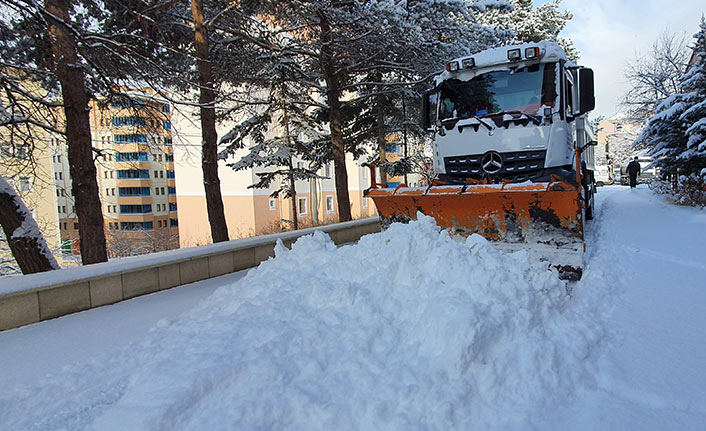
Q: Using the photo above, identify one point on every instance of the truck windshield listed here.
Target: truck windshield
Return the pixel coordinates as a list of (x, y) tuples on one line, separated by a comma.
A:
[(526, 89)]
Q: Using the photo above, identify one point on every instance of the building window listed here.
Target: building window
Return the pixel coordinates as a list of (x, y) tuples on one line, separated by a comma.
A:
[(159, 157), (112, 192), (168, 141), (56, 175), (133, 173), (172, 206), (61, 176), (329, 204), (66, 225), (156, 174), (169, 157), (24, 184), (156, 190), (105, 174), (129, 139), (57, 192), (173, 222), (161, 174), (63, 209), (165, 109), (128, 121), (327, 170), (63, 192), (115, 209), (134, 191), (154, 157), (131, 157), (145, 225), (107, 192), (108, 208), (171, 190), (167, 125), (159, 223), (273, 204), (162, 190), (76, 226), (135, 209), (302, 206)]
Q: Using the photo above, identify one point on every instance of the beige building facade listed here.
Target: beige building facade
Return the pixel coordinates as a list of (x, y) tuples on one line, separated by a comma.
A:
[(135, 173), (26, 163), (252, 211)]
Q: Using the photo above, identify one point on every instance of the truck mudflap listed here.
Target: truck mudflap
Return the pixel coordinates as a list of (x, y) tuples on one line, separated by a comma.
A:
[(546, 219)]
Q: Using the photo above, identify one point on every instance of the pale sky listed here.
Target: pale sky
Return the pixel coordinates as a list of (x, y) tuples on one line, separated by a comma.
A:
[(610, 32)]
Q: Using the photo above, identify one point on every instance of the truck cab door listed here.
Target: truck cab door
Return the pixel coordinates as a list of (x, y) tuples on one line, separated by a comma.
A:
[(430, 109)]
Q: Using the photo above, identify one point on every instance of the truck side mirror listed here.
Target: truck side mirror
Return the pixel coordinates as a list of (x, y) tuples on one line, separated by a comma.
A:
[(587, 98), (430, 100)]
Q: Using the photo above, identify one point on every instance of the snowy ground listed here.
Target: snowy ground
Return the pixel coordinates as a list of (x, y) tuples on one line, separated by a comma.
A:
[(408, 329)]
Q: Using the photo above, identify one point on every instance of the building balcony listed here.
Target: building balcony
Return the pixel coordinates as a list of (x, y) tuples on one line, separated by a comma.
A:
[(135, 200), (136, 217), (133, 182), (132, 165)]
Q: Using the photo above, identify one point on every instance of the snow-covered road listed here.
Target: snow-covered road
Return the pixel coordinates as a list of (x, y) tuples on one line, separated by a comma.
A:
[(653, 375), (408, 329)]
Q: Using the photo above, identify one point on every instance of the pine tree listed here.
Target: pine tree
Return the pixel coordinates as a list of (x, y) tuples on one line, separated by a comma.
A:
[(664, 135), (693, 84), (530, 24), (277, 122), (676, 134)]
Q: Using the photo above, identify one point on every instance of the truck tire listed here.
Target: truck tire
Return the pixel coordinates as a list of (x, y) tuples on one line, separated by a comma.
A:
[(589, 206)]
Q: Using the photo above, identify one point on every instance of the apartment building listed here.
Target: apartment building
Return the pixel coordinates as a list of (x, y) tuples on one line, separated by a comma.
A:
[(252, 211), (132, 140), (25, 162)]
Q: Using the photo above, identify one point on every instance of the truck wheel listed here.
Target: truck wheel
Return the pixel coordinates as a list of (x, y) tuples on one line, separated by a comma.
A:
[(589, 206)]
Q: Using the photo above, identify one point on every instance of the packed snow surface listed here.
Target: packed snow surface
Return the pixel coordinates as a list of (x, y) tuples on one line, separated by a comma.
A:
[(407, 329)]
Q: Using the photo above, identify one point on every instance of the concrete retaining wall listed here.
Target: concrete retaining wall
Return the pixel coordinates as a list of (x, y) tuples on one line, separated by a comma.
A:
[(32, 298)]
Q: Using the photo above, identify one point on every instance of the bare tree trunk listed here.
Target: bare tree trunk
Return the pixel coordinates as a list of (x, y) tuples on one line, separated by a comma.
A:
[(27, 244), (381, 138), (404, 133), (292, 186), (78, 135), (333, 94), (209, 156)]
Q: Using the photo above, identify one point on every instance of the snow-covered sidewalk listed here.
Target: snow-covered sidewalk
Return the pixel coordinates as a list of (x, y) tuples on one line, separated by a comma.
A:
[(408, 329), (653, 375)]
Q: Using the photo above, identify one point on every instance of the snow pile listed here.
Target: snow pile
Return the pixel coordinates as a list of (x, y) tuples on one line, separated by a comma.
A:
[(408, 329)]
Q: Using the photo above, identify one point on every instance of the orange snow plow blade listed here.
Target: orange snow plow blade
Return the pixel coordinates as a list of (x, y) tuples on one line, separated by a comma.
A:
[(543, 218)]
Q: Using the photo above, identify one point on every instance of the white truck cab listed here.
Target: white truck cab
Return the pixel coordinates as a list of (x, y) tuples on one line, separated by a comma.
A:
[(513, 113)]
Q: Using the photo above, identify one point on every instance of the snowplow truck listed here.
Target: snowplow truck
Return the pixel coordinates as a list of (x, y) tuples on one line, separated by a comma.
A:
[(513, 154)]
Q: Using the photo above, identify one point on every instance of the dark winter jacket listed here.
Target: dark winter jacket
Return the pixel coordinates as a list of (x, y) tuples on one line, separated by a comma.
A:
[(633, 168)]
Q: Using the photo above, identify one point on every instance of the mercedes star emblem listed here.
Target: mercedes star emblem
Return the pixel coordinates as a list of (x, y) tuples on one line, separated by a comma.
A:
[(491, 162)]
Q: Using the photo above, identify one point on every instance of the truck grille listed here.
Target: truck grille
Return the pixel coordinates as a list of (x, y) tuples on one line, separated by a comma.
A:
[(517, 166)]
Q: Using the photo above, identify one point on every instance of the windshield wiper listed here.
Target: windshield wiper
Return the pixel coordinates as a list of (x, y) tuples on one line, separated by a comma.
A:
[(478, 119), (536, 119)]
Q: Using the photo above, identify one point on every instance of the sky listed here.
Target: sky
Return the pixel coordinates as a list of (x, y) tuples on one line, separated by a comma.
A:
[(609, 33)]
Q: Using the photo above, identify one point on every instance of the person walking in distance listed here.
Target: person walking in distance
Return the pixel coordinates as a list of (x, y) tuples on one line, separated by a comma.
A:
[(633, 170)]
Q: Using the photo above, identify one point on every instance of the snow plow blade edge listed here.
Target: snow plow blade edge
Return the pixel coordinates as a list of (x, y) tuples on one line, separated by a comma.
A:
[(543, 218)]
